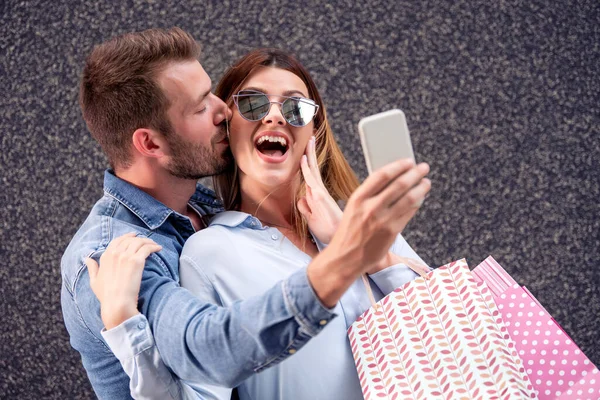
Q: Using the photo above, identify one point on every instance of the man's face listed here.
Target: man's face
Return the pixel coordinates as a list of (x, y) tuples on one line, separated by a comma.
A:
[(198, 143)]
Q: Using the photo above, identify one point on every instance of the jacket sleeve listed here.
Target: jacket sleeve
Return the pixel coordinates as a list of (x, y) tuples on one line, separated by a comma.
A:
[(356, 300), (132, 343), (396, 275), (149, 378), (203, 343)]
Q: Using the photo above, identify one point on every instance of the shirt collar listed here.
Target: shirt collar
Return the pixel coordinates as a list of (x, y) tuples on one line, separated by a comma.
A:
[(233, 219), (151, 211)]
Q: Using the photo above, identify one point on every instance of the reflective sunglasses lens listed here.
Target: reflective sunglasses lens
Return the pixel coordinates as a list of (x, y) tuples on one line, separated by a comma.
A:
[(298, 112), (253, 107)]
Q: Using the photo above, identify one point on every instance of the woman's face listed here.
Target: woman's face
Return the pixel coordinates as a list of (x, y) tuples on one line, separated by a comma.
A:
[(268, 151)]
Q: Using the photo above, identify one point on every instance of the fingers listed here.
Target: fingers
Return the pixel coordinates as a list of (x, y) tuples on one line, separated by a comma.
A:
[(312, 156), (405, 209), (119, 244), (309, 197), (381, 178), (414, 197), (399, 222), (303, 207), (135, 244), (306, 172), (312, 152), (397, 189), (126, 251), (128, 243), (117, 241), (92, 267), (146, 249), (136, 251), (311, 172)]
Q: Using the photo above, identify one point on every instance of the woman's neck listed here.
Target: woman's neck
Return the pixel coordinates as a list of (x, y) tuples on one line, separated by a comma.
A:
[(274, 206), (271, 205)]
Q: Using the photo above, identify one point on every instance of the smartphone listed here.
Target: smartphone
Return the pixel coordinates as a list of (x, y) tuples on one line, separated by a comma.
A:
[(385, 138)]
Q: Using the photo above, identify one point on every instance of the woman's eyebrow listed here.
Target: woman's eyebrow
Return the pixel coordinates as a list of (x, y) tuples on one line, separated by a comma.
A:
[(288, 93), (257, 89), (293, 92)]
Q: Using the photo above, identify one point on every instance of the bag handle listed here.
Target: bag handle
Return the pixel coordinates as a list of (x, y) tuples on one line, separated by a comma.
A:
[(415, 265)]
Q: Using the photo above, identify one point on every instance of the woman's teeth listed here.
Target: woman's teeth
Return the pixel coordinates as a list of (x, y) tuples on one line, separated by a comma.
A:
[(272, 139)]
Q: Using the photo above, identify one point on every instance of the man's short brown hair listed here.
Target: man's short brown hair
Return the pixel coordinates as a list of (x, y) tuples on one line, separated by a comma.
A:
[(119, 93)]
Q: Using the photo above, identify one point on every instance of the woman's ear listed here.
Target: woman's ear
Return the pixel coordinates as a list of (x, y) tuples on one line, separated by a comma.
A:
[(149, 143)]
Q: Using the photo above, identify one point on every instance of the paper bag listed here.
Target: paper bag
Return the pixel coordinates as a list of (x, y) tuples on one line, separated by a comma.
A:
[(557, 368), (436, 338)]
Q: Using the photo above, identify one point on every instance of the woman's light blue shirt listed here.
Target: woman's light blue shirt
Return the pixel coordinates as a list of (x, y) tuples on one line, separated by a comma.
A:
[(237, 257)]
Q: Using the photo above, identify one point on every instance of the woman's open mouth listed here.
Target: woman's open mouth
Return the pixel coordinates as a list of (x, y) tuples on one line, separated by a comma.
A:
[(272, 148)]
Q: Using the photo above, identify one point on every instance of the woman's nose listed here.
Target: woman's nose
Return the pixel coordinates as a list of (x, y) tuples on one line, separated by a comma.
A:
[(274, 116)]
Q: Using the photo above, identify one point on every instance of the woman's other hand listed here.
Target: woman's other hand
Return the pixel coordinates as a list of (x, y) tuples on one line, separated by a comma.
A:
[(321, 211), (117, 283)]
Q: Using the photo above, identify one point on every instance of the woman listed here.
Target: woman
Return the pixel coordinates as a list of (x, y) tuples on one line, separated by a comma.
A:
[(289, 174)]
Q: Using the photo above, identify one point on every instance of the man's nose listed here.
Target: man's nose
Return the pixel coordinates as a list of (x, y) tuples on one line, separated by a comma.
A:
[(228, 112), (224, 113)]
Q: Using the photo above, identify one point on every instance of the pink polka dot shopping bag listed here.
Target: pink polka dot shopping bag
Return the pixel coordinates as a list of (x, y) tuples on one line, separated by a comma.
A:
[(556, 366)]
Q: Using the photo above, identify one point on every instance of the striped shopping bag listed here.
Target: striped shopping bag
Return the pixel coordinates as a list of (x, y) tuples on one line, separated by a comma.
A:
[(437, 337)]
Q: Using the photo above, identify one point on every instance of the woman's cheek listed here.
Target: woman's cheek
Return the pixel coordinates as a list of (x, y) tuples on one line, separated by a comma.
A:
[(237, 152)]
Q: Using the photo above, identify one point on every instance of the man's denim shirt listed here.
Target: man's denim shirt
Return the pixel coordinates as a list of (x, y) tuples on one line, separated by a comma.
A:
[(198, 342)]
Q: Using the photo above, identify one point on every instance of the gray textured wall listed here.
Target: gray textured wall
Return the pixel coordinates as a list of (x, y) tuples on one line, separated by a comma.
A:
[(502, 99)]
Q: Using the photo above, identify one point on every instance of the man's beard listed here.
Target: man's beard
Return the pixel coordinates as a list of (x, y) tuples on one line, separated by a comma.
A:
[(194, 161)]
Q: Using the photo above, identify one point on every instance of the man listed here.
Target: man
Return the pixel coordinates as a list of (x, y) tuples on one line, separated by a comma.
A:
[(147, 101)]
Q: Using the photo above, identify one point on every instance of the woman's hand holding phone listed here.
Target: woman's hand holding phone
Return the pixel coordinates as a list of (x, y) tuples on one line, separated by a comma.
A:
[(375, 214)]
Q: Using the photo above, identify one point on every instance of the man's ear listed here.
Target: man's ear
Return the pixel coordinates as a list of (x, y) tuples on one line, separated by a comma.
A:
[(149, 143)]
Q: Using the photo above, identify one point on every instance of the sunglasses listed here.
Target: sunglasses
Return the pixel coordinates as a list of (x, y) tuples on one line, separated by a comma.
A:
[(254, 106)]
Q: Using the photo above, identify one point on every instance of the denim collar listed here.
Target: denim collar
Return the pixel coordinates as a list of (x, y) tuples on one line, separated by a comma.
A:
[(151, 211), (206, 201)]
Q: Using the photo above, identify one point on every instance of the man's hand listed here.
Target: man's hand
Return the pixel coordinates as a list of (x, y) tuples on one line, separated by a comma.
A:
[(375, 214), (117, 283)]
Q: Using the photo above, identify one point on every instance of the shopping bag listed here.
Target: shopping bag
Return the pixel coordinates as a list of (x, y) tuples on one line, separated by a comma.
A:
[(437, 338), (557, 368)]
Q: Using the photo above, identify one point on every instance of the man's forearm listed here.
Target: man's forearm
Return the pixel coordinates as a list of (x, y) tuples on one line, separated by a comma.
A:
[(204, 343)]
